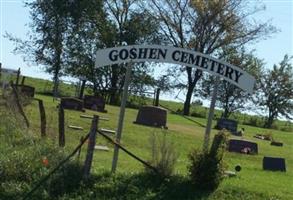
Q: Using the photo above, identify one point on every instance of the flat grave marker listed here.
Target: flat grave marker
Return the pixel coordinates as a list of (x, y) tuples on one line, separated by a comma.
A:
[(274, 164), (242, 146)]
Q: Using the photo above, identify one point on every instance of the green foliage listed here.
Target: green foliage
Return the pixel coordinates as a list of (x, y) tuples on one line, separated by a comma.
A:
[(66, 180), (207, 168), (230, 97), (163, 155), (129, 182), (22, 159), (275, 92)]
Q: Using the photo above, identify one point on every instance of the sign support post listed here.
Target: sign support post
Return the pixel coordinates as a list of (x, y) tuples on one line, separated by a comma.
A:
[(211, 115), (121, 116)]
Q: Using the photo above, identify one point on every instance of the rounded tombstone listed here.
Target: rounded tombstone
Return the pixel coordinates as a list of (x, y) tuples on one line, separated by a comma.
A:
[(152, 116)]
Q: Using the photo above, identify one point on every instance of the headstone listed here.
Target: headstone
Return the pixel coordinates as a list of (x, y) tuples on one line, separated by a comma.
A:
[(152, 116), (228, 124), (72, 103), (274, 143), (229, 173), (242, 146), (274, 164), (263, 137), (96, 103), (108, 131), (102, 148), (27, 90), (75, 127)]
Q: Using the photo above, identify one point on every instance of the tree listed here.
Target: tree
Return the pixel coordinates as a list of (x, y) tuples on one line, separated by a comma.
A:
[(206, 27), (46, 41), (275, 92), (120, 23), (231, 98)]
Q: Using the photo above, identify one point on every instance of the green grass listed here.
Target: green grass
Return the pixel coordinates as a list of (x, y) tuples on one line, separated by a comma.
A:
[(251, 182)]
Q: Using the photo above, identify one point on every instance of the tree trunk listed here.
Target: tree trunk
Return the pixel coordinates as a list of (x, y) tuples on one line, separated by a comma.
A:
[(56, 85), (186, 108), (269, 122), (191, 85)]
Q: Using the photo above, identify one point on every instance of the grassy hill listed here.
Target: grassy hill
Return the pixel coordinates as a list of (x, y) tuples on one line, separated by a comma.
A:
[(129, 183)]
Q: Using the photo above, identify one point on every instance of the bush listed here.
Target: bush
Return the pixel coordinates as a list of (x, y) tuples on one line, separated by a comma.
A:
[(207, 168), (66, 180), (163, 155)]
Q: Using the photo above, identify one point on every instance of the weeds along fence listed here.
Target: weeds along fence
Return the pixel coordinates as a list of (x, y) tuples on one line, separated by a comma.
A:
[(91, 138)]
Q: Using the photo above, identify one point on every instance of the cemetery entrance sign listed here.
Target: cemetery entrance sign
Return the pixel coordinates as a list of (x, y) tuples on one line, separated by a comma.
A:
[(174, 55), (180, 56)]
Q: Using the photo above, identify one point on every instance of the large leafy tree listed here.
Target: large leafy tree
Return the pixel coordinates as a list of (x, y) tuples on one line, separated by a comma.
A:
[(275, 94), (231, 98), (121, 23), (49, 30), (207, 27)]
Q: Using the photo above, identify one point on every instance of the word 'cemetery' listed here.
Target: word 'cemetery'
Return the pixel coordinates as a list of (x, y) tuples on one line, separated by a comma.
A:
[(180, 56)]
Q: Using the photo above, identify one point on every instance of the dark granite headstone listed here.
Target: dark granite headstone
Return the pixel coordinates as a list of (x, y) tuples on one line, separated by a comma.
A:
[(228, 124), (242, 146), (274, 164), (152, 116), (72, 103), (94, 103), (27, 90)]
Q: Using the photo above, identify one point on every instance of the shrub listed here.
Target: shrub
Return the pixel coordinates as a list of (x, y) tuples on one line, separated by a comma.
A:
[(163, 155), (206, 169), (66, 180)]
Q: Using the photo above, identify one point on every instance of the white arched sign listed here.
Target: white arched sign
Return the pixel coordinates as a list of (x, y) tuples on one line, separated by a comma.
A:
[(180, 56)]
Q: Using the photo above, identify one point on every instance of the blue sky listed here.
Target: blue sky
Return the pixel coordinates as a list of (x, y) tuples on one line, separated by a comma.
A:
[(14, 19)]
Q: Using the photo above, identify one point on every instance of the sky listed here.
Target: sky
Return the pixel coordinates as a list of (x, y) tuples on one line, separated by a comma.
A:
[(14, 19)]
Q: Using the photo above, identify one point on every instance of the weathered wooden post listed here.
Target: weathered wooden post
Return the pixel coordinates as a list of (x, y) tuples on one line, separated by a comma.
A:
[(43, 117), (79, 150), (18, 104), (22, 81), (17, 76), (61, 126), (157, 97), (91, 147)]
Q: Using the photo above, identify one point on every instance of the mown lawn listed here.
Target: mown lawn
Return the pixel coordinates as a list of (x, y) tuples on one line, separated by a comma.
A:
[(251, 182)]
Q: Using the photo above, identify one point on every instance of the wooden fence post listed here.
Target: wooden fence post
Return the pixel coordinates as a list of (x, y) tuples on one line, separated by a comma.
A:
[(42, 116), (17, 100), (17, 77), (22, 81), (91, 147), (61, 126)]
